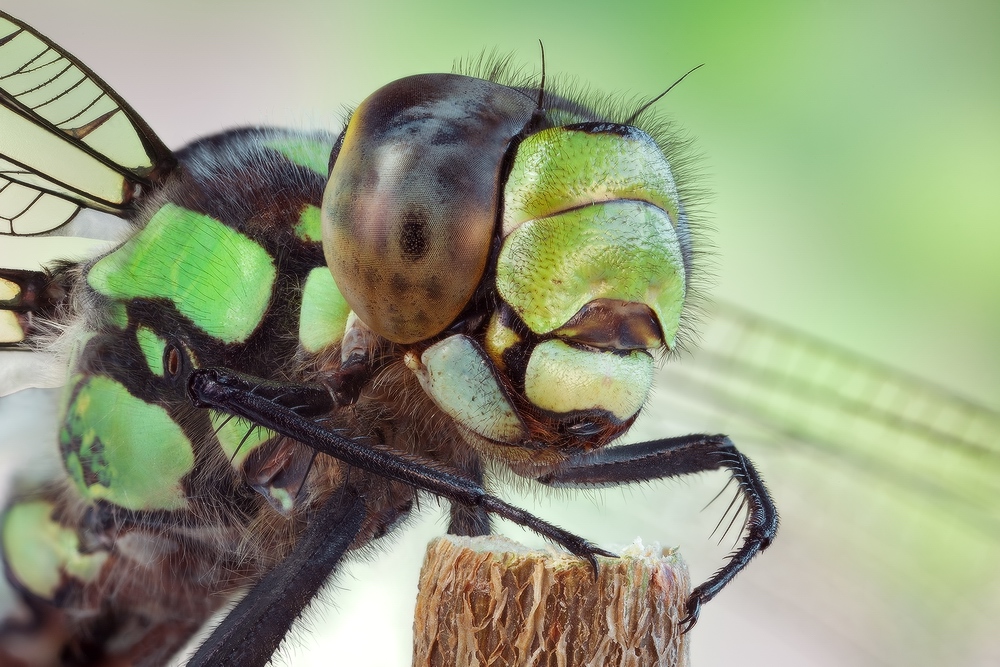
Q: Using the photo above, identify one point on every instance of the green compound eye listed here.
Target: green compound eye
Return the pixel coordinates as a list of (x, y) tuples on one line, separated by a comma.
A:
[(615, 235), (551, 268)]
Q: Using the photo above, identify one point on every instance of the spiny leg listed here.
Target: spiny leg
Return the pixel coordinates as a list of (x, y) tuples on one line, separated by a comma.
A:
[(466, 520), (671, 457), (253, 399), (253, 630)]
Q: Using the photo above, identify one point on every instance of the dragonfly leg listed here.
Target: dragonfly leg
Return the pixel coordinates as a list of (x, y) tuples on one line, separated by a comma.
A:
[(235, 393), (670, 457), (252, 631), (469, 520)]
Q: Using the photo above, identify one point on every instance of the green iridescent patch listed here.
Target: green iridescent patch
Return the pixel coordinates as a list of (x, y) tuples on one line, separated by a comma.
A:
[(309, 153), (550, 268), (118, 448), (40, 553), (310, 225), (152, 347), (323, 317), (238, 438), (216, 276)]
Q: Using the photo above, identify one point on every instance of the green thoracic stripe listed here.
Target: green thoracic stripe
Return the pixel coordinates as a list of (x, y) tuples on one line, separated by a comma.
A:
[(152, 347), (214, 275), (40, 553), (310, 225), (309, 153), (323, 317), (119, 448), (237, 437)]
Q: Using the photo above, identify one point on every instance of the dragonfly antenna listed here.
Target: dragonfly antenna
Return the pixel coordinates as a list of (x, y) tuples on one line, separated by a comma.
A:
[(631, 119), (541, 87)]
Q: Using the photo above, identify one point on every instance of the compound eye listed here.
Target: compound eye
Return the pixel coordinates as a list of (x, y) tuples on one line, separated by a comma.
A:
[(409, 212)]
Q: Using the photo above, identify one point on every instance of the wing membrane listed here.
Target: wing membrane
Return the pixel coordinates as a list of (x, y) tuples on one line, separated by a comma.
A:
[(889, 487), (23, 262), (66, 136), (890, 426), (26, 210)]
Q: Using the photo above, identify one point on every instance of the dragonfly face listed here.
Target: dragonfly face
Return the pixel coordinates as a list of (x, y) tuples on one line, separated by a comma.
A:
[(515, 258), (473, 274)]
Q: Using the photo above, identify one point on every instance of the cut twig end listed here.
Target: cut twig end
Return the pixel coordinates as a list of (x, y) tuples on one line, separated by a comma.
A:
[(492, 601)]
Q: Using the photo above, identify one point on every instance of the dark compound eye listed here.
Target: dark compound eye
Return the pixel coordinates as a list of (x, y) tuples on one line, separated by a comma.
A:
[(409, 212), (414, 235)]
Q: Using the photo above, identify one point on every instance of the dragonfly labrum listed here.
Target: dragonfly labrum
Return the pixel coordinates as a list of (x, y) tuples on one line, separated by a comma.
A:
[(475, 273)]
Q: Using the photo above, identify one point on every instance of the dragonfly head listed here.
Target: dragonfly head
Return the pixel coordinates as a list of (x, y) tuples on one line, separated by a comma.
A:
[(532, 270)]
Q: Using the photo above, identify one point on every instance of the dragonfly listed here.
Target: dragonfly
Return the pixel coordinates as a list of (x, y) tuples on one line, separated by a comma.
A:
[(302, 330), (673, 375)]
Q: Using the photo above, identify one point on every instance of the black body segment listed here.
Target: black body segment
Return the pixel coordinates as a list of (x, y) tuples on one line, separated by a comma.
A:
[(253, 630)]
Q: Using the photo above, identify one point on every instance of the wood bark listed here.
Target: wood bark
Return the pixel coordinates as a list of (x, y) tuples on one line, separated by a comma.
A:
[(490, 602)]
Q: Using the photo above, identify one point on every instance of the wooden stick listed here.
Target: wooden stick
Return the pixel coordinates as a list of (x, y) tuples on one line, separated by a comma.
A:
[(491, 602)]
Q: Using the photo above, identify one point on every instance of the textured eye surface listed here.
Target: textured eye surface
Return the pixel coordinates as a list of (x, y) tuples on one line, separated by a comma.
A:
[(410, 208)]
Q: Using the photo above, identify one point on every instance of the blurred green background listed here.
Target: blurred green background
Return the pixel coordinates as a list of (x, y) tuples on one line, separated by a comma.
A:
[(852, 149)]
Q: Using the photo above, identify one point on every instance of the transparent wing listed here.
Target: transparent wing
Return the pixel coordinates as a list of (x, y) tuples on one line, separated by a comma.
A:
[(67, 139), (899, 428), (889, 488), (25, 210), (11, 329), (23, 281)]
